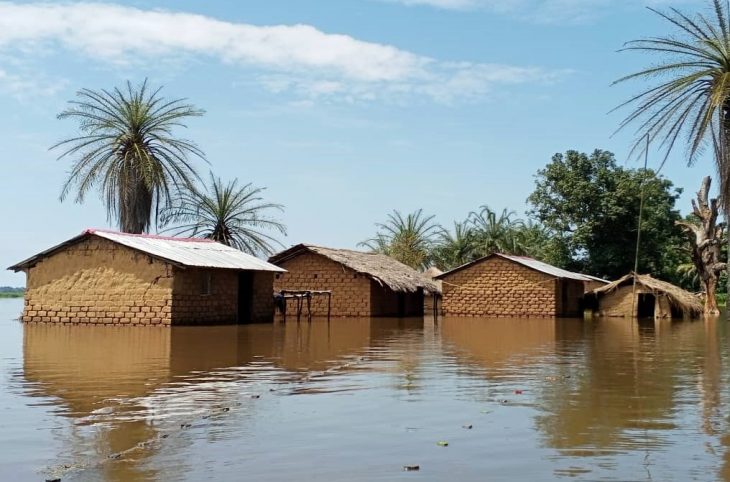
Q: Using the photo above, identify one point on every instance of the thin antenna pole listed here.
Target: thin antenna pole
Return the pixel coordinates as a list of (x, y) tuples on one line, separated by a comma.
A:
[(638, 230)]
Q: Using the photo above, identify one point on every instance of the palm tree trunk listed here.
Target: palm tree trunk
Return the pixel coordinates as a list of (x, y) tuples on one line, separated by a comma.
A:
[(723, 167)]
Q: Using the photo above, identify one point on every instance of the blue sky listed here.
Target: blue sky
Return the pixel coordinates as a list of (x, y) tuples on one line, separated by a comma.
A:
[(343, 109)]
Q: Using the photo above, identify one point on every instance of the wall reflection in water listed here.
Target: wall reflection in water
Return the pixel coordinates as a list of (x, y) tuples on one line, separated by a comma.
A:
[(606, 396)]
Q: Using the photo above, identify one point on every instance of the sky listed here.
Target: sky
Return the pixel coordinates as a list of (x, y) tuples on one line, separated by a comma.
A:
[(343, 109)]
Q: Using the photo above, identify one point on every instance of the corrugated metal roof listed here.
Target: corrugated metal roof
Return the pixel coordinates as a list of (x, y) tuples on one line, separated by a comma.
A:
[(549, 269), (190, 252), (532, 264)]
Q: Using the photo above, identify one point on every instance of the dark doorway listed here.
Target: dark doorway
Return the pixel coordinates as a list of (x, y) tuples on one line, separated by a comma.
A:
[(646, 304), (401, 304), (245, 296)]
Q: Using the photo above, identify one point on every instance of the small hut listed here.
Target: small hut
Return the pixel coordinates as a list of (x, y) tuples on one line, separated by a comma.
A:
[(650, 298), (111, 278), (501, 285), (361, 284)]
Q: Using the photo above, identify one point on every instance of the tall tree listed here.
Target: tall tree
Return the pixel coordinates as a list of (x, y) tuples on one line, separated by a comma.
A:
[(127, 149), (455, 248), (705, 236), (409, 238), (688, 99), (591, 206), (234, 215), (496, 232)]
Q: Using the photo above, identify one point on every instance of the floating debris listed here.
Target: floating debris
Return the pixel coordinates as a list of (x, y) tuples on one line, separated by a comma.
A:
[(185, 425), (519, 392), (504, 401), (406, 468), (442, 443), (255, 396), (468, 427), (485, 411), (59, 479), (114, 456)]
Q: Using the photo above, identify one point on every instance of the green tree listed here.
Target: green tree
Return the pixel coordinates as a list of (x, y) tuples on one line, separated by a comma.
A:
[(234, 215), (126, 148), (496, 232), (591, 206), (455, 248), (688, 99), (408, 239)]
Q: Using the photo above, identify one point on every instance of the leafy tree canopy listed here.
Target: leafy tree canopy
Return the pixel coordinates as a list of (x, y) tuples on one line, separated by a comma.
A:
[(591, 207)]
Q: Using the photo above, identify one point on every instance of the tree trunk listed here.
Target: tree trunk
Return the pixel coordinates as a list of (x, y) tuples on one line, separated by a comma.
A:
[(705, 238)]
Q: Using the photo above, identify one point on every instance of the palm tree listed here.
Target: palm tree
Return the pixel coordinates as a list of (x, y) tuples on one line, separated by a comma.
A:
[(496, 233), (228, 213), (126, 149), (455, 249), (408, 239), (690, 102)]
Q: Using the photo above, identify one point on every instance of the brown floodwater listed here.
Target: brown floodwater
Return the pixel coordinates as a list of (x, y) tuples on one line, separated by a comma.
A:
[(357, 400)]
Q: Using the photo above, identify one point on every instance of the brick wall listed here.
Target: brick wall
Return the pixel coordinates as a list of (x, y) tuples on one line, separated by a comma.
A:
[(99, 282), (497, 287), (310, 271), (192, 306)]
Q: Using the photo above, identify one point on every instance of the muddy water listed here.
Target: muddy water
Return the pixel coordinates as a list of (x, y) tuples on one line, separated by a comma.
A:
[(359, 399)]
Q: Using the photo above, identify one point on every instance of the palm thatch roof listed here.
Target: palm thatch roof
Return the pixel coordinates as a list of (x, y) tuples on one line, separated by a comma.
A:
[(383, 269), (683, 300)]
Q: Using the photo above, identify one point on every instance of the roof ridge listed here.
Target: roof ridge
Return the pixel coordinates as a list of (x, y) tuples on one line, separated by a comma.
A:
[(147, 236)]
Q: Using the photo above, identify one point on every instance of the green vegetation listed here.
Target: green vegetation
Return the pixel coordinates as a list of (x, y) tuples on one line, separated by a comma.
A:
[(10, 292), (126, 149), (228, 213), (687, 100), (583, 216), (590, 206), (408, 239)]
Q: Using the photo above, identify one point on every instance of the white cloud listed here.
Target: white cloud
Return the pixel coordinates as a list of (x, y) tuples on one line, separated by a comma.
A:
[(26, 86), (295, 57)]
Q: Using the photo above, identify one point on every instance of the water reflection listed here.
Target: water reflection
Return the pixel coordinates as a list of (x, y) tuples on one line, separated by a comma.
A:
[(134, 386), (548, 399)]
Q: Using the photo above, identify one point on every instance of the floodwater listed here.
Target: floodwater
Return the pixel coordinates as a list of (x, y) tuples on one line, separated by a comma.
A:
[(358, 400)]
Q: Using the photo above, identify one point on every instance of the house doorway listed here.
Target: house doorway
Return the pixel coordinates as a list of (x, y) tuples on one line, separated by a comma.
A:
[(245, 297), (645, 306)]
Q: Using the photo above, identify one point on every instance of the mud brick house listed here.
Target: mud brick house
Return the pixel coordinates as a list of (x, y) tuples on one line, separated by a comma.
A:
[(362, 284), (513, 286), (105, 277), (649, 298)]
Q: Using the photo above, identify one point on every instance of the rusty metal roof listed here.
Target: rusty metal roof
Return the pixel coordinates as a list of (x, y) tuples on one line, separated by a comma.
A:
[(532, 264), (186, 252)]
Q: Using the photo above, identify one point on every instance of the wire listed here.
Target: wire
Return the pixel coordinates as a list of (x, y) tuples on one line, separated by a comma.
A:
[(638, 230)]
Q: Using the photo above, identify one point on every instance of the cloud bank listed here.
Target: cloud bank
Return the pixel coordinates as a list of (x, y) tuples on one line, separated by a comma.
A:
[(298, 58)]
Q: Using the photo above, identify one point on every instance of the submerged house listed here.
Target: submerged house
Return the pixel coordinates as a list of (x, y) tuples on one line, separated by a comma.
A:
[(106, 277), (650, 298), (501, 285), (362, 284)]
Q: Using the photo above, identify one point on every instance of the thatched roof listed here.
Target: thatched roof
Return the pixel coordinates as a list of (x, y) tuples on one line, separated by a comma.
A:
[(383, 269), (683, 300), (432, 272)]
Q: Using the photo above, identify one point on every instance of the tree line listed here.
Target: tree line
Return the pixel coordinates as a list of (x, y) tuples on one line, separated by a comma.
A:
[(583, 215)]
